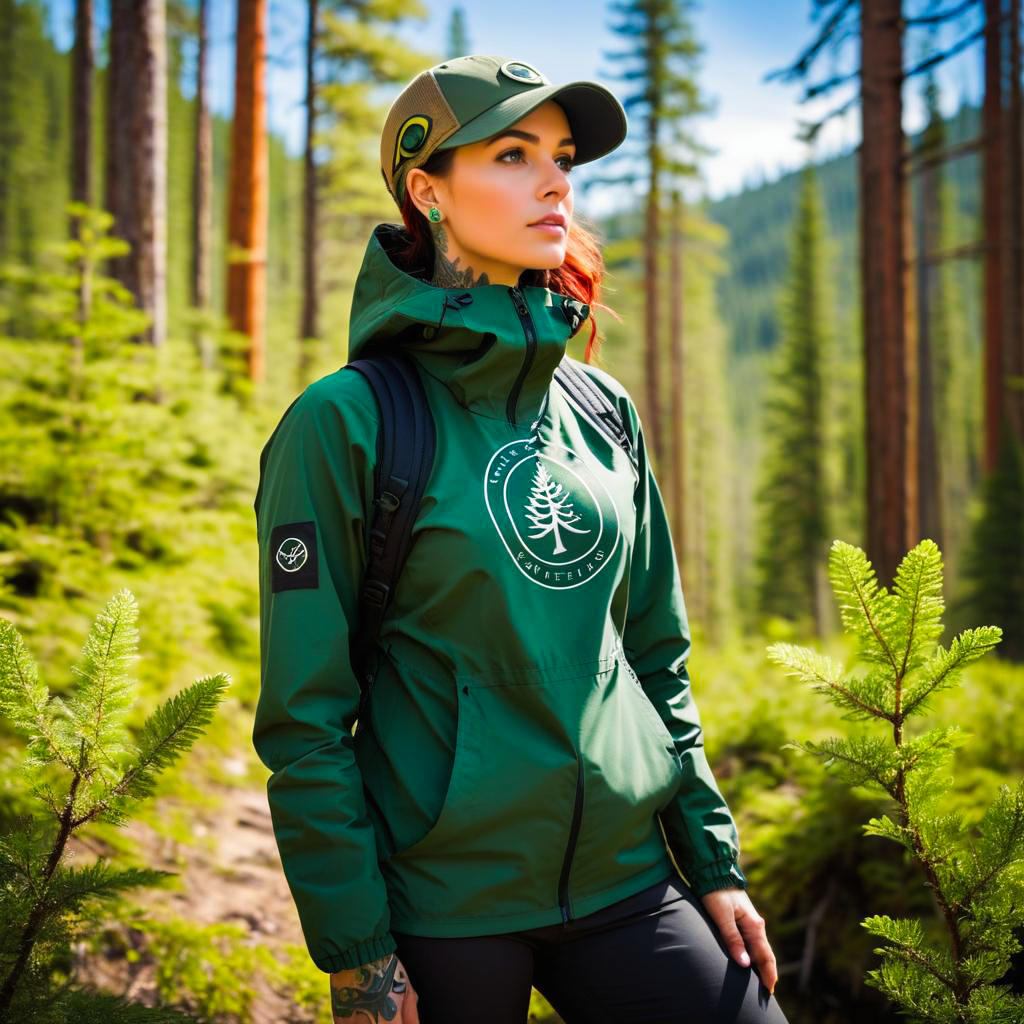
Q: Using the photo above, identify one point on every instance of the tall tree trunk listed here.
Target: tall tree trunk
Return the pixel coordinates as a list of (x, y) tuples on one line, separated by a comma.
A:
[(652, 244), (677, 429), (930, 494), (993, 208), (1015, 225), (83, 65), (137, 153), (119, 198), (247, 218), (309, 326), (151, 166), (202, 188), (8, 129), (890, 401)]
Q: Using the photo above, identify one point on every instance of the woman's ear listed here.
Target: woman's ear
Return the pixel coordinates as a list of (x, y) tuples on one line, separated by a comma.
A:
[(421, 189)]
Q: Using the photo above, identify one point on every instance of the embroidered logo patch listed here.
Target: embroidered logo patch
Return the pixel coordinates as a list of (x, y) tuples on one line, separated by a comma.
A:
[(556, 519), (294, 562)]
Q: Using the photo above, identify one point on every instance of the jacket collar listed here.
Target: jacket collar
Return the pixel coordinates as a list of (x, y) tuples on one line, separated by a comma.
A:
[(495, 353)]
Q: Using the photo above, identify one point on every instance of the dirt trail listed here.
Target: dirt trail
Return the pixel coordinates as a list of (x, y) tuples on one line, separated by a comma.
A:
[(230, 874)]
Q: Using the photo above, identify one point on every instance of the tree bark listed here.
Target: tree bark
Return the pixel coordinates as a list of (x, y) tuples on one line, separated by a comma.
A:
[(993, 213), (652, 241), (309, 326), (677, 429), (83, 67), (890, 370), (119, 197), (247, 219), (930, 510), (137, 153), (202, 188), (1014, 228)]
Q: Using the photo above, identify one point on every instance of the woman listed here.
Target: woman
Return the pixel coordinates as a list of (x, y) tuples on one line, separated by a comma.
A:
[(530, 780)]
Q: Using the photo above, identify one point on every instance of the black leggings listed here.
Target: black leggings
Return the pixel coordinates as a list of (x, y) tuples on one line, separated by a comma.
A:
[(654, 958)]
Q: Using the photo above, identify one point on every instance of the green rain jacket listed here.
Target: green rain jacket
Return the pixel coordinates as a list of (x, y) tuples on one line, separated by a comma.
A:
[(533, 752)]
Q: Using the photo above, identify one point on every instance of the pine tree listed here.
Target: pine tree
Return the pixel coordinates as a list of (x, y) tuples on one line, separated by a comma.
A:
[(975, 879), (797, 487), (458, 39), (80, 766), (662, 56)]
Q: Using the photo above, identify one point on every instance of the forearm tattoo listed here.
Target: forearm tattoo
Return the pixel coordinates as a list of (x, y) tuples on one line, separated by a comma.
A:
[(447, 272), (371, 993)]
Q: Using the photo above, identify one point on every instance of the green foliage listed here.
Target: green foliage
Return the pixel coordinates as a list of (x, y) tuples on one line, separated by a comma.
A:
[(797, 490), (117, 457), (80, 765), (994, 562), (35, 132), (974, 875)]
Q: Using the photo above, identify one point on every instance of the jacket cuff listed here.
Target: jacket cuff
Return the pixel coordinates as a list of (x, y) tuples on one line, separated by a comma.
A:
[(356, 956), (719, 874)]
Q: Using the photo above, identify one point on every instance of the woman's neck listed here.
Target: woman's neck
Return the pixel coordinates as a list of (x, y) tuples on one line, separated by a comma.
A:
[(449, 269)]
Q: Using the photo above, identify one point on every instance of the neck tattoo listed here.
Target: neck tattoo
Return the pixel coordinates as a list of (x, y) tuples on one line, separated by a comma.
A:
[(447, 272)]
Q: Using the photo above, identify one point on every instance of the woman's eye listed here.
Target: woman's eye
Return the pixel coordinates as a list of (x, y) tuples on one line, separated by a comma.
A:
[(518, 151)]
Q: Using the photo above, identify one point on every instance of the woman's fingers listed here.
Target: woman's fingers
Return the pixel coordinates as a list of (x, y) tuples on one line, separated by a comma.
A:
[(743, 931), (721, 906), (751, 925)]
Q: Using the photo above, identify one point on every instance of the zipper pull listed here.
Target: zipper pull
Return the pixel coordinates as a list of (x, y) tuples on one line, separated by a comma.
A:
[(520, 302)]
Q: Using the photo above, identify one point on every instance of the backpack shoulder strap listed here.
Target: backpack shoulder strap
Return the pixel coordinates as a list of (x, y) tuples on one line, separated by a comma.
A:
[(594, 404), (406, 442)]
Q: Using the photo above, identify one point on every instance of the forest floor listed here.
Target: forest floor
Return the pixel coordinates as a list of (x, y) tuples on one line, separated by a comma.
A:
[(223, 851), (229, 873)]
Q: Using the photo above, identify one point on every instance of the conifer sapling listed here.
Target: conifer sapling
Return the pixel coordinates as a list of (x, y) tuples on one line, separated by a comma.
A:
[(80, 766), (948, 974)]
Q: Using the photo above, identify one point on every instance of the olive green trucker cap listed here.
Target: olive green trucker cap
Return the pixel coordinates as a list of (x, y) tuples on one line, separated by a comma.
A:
[(469, 99)]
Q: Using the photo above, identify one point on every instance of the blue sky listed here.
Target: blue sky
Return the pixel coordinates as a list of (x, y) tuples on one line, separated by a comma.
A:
[(752, 128)]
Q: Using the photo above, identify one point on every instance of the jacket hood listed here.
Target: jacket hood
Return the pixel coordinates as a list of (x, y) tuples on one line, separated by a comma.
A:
[(494, 346)]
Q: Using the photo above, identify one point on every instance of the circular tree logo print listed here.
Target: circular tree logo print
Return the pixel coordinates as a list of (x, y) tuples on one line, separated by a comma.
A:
[(291, 554), (553, 514)]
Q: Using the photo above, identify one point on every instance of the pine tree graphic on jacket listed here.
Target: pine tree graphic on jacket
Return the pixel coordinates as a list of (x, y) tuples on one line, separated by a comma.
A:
[(549, 508)]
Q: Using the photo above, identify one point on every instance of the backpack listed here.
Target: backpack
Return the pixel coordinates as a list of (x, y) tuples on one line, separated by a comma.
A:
[(401, 473)]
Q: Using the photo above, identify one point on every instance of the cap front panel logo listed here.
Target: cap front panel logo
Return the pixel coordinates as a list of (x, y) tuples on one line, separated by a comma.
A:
[(556, 519)]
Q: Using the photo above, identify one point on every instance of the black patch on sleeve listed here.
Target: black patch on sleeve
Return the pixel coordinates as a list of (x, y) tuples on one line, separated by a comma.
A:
[(293, 557)]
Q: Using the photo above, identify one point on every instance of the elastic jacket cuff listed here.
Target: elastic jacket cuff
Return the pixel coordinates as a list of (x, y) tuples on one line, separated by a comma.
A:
[(356, 956), (719, 874)]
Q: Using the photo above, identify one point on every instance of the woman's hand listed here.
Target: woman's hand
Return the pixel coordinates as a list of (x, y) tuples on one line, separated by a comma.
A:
[(377, 991), (737, 920)]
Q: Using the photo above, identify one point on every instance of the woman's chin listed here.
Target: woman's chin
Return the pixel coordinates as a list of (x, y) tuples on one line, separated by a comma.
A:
[(546, 257)]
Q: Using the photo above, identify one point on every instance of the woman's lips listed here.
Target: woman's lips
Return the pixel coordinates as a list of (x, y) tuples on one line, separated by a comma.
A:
[(553, 228)]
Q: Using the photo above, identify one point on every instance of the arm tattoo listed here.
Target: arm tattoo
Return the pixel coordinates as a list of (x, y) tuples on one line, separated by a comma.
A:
[(370, 994), (448, 273)]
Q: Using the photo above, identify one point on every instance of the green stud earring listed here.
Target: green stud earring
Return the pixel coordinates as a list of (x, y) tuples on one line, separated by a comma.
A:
[(435, 214)]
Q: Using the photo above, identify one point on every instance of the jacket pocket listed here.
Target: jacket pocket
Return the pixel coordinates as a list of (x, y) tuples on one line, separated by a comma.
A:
[(660, 734), (497, 844), (631, 773)]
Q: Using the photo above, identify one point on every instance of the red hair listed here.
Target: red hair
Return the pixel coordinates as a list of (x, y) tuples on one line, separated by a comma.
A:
[(579, 276)]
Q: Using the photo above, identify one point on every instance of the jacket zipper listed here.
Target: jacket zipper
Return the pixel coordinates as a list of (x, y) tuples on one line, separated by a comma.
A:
[(574, 831), (531, 349)]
